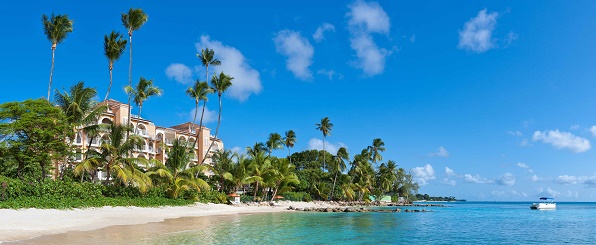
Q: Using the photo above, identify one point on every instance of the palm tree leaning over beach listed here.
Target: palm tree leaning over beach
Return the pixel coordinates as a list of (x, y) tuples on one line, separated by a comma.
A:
[(207, 57), (325, 127), (56, 28), (143, 91), (113, 47), (289, 141), (132, 21), (199, 92), (219, 84), (338, 165)]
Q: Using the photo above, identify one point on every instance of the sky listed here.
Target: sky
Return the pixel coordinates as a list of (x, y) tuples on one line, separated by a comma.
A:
[(481, 100)]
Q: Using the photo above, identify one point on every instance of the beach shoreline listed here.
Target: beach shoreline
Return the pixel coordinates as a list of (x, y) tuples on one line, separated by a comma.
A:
[(24, 224)]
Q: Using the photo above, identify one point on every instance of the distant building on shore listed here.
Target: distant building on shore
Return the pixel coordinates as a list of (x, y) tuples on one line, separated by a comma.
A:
[(156, 139)]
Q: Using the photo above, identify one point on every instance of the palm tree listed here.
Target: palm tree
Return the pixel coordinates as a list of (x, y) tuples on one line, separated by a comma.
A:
[(223, 165), (257, 148), (199, 92), (56, 29), (325, 127), (143, 91), (258, 168), (177, 172), (281, 175), (207, 57), (274, 142), (377, 146), (112, 157), (289, 141), (132, 21), (339, 165), (113, 47), (219, 84)]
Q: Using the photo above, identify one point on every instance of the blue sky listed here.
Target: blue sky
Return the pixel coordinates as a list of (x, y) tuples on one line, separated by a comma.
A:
[(483, 100)]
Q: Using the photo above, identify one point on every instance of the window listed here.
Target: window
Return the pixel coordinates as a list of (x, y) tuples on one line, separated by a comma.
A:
[(79, 139)]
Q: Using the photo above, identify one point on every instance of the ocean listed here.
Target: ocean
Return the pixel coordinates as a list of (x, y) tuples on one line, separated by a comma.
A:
[(458, 223)]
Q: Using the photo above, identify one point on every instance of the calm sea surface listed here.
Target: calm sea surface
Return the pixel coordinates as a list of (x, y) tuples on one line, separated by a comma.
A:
[(467, 222)]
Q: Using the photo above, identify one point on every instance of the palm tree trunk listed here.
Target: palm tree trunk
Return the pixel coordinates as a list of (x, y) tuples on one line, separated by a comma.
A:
[(198, 135), (194, 120), (323, 152), (216, 130), (333, 189), (51, 70), (289, 155), (254, 198), (129, 79), (110, 86)]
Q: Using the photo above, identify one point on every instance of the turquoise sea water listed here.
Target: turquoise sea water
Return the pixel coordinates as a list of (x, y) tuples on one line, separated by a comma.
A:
[(466, 222)]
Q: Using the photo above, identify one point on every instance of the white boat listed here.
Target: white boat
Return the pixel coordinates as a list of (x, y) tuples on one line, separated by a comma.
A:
[(547, 203)]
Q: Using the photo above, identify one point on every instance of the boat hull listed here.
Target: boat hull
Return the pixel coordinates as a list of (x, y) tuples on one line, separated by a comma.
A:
[(544, 206)]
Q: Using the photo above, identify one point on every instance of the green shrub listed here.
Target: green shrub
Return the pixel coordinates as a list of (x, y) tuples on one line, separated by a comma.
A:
[(212, 197), (297, 196)]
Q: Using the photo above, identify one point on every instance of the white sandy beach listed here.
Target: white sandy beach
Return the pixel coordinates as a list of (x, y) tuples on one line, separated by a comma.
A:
[(29, 223)]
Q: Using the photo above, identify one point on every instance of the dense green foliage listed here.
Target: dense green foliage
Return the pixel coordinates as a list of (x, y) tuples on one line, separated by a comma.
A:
[(426, 197)]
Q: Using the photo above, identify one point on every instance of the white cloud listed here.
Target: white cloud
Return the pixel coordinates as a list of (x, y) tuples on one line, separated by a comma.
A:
[(535, 178), (449, 172), (590, 181), (477, 33), (507, 179), (450, 182), (510, 38), (441, 153), (476, 179), (237, 149), (593, 130), (208, 117), (318, 35), (246, 81), (366, 18), (515, 133), (525, 142), (548, 192), (317, 144), (423, 174), (508, 194), (328, 73), (574, 127), (179, 73), (562, 140), (567, 179), (298, 52), (525, 166)]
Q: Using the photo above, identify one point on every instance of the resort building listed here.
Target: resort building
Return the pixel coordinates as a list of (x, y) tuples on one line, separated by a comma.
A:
[(157, 139)]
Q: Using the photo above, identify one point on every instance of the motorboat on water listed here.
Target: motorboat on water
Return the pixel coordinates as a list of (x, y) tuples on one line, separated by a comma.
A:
[(547, 203)]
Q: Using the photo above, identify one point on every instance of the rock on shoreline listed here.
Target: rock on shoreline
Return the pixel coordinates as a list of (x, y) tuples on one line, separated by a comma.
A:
[(355, 210)]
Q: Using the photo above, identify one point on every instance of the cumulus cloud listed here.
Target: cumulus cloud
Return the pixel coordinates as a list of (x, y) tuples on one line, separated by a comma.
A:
[(567, 179), (298, 52), (507, 179), (593, 130), (328, 73), (208, 117), (476, 179), (450, 182), (318, 35), (237, 149), (442, 152), (423, 174), (590, 181), (366, 18), (449, 172), (535, 178), (525, 166), (562, 140), (477, 33), (246, 81), (548, 192), (317, 144), (179, 73)]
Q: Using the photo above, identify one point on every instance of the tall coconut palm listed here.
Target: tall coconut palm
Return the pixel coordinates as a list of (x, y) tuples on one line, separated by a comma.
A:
[(377, 146), (113, 47), (199, 92), (207, 57), (289, 141), (281, 175), (132, 21), (143, 91), (219, 84), (325, 127), (274, 142), (56, 28), (257, 148), (339, 165)]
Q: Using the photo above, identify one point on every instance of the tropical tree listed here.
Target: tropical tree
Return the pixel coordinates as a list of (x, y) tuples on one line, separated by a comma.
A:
[(223, 165), (56, 28), (281, 175), (377, 146), (257, 148), (132, 21), (338, 165), (199, 92), (207, 57), (112, 157), (34, 133), (219, 84), (113, 47), (274, 142), (258, 167), (325, 127), (143, 91), (177, 172), (289, 141)]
